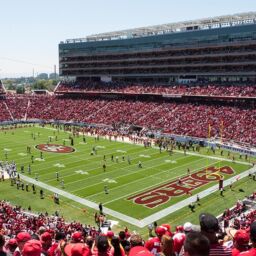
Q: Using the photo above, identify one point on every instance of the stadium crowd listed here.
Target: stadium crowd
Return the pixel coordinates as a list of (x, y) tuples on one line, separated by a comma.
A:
[(190, 119), (25, 234), (18, 106), (4, 113), (236, 90)]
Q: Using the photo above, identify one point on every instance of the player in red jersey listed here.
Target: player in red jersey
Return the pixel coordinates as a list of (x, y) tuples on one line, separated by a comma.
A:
[(252, 251), (154, 244)]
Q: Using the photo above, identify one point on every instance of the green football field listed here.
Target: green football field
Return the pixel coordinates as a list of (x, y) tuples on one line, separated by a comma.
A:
[(133, 191)]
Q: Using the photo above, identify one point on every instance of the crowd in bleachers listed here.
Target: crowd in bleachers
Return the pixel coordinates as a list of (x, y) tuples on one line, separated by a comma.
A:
[(190, 119), (188, 89), (4, 114), (176, 118), (26, 234), (18, 106)]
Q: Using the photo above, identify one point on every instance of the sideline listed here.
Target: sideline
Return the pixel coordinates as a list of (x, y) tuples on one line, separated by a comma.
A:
[(128, 141)]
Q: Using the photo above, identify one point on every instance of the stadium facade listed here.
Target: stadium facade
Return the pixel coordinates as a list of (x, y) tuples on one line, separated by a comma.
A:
[(217, 49)]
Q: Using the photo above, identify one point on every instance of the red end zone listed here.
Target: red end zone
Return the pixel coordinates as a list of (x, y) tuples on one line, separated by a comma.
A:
[(55, 148), (161, 194)]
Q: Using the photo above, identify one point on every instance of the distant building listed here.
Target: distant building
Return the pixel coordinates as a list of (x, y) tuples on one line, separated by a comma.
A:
[(53, 76), (43, 76)]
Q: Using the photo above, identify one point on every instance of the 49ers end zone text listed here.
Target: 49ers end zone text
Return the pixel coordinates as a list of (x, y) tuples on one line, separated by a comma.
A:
[(162, 194)]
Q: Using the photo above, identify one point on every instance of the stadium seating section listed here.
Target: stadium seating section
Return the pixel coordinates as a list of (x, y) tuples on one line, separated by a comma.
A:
[(173, 116), (192, 89)]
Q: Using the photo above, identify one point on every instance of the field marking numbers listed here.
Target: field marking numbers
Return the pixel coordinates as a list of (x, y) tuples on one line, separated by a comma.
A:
[(145, 156), (39, 159), (109, 180), (82, 172), (59, 165), (121, 151)]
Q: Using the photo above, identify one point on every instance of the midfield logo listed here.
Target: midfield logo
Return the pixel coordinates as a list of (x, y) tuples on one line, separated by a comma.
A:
[(55, 148)]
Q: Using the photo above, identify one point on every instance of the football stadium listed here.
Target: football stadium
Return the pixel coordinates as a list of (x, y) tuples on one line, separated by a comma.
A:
[(147, 129)]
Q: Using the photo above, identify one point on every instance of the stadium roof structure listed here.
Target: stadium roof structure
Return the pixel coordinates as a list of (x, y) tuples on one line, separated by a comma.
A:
[(200, 24)]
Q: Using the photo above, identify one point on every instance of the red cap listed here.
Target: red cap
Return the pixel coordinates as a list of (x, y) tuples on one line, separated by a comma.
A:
[(167, 226), (32, 248), (80, 249), (139, 251), (110, 234), (77, 236), (160, 231), (241, 237), (12, 241), (179, 229), (23, 237), (45, 237)]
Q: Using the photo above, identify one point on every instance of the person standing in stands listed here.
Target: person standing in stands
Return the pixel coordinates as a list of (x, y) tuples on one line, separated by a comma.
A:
[(252, 251), (196, 244), (210, 227)]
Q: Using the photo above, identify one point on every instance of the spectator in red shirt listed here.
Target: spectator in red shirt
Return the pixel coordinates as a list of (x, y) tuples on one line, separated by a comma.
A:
[(209, 227), (11, 246), (153, 244), (252, 251), (32, 248), (240, 242), (22, 238), (46, 240), (140, 251)]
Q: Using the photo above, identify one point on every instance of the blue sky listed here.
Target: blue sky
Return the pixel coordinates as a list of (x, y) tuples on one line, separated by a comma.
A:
[(31, 30)]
